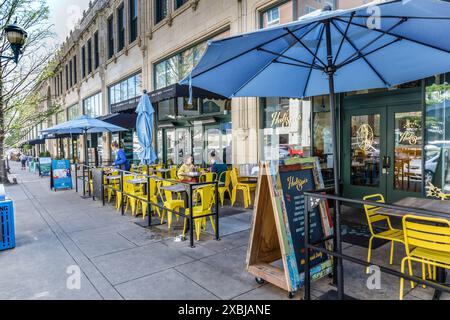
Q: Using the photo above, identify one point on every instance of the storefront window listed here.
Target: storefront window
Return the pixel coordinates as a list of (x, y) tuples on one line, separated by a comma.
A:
[(322, 137), (177, 67), (73, 112), (60, 117), (286, 128), (126, 89), (92, 106), (215, 106), (437, 146), (166, 109)]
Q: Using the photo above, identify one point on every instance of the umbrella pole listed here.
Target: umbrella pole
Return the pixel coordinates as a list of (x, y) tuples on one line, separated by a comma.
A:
[(337, 244)]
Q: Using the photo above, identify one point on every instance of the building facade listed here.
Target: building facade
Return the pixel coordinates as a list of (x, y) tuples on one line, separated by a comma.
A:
[(123, 47)]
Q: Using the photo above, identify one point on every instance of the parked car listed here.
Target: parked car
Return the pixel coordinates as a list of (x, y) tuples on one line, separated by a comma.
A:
[(290, 151)]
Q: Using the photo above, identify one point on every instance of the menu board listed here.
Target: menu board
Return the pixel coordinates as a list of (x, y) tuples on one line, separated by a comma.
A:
[(45, 166), (61, 175), (278, 226), (294, 182)]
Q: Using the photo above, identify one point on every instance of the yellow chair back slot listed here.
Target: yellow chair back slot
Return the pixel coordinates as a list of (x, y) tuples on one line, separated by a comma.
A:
[(421, 233)]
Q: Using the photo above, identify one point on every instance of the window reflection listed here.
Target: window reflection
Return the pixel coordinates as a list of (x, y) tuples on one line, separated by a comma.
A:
[(437, 148)]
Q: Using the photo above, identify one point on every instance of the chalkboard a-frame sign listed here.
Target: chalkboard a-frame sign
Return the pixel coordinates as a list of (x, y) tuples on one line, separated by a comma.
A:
[(278, 225)]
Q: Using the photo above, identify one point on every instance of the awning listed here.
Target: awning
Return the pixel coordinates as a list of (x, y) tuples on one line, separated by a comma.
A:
[(124, 120), (32, 142), (180, 91)]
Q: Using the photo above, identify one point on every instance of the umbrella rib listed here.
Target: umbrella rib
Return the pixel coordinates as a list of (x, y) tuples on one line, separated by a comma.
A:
[(396, 35), (306, 64), (267, 65), (250, 50), (298, 65), (310, 70), (344, 36), (306, 47), (359, 52), (363, 56)]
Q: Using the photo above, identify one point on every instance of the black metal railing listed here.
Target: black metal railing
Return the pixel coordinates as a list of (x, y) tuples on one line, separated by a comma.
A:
[(86, 178), (338, 255)]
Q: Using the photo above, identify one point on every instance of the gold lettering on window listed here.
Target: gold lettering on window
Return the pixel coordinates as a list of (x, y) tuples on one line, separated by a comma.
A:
[(365, 137), (282, 119)]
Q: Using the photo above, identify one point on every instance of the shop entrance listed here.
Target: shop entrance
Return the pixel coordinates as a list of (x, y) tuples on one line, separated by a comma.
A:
[(382, 147)]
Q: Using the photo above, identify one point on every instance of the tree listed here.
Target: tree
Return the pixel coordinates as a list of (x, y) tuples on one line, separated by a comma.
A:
[(19, 100)]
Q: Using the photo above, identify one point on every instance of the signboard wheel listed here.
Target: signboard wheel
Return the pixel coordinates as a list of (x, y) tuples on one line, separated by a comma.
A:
[(291, 295), (259, 280)]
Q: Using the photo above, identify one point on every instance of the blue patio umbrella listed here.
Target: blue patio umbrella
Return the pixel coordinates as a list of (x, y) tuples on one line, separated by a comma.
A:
[(373, 46), (144, 129), (82, 125)]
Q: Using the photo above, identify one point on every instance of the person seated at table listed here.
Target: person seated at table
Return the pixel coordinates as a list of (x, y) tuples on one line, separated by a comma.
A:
[(121, 162), (186, 168)]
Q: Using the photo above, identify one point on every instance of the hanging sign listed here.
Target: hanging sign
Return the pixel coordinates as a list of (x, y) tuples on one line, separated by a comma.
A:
[(61, 175), (45, 167), (278, 227)]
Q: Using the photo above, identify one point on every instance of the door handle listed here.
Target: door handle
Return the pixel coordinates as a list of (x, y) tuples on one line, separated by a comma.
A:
[(386, 162)]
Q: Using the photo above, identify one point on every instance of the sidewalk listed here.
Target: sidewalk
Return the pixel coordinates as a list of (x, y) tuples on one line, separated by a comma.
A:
[(119, 259)]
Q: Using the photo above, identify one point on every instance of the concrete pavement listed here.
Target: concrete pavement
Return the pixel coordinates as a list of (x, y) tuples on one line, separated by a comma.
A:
[(59, 234)]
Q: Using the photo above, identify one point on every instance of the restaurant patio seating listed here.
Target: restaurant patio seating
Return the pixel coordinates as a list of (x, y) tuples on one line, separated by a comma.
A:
[(131, 191), (224, 177), (393, 235), (169, 203), (427, 241), (153, 198), (246, 188), (206, 198), (114, 186)]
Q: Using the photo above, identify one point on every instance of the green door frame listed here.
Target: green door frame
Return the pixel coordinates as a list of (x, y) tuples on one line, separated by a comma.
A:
[(409, 99)]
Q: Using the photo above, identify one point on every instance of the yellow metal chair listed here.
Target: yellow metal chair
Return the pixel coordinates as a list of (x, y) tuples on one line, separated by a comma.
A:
[(246, 188), (208, 177), (206, 197), (226, 186), (173, 173), (393, 235), (131, 192), (153, 198), (427, 241), (169, 203), (113, 184)]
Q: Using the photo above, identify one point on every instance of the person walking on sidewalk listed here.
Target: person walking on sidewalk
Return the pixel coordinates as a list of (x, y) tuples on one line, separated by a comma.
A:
[(23, 160)]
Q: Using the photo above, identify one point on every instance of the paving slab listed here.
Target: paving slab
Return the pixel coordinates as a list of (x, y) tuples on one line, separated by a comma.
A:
[(131, 264), (96, 244), (165, 285)]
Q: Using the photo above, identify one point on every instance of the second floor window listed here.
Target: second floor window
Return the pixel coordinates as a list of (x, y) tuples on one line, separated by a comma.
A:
[(73, 112), (121, 27), (161, 10), (110, 37), (92, 106), (133, 20)]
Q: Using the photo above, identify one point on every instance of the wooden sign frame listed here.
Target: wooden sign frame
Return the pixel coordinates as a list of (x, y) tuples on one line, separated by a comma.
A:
[(271, 239)]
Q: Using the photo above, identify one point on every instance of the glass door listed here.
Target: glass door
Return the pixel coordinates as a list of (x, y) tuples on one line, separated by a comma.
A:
[(183, 146), (405, 147), (383, 152), (364, 152)]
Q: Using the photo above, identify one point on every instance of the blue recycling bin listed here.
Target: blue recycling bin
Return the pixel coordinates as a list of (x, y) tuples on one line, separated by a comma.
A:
[(7, 236)]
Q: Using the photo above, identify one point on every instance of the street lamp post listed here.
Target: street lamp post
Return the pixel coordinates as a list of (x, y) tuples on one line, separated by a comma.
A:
[(16, 37)]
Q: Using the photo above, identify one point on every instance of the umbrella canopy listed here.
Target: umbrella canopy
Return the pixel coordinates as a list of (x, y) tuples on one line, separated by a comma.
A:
[(372, 46), (82, 125), (144, 128)]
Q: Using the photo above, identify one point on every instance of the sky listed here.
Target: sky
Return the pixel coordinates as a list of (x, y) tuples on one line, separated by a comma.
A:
[(64, 15)]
